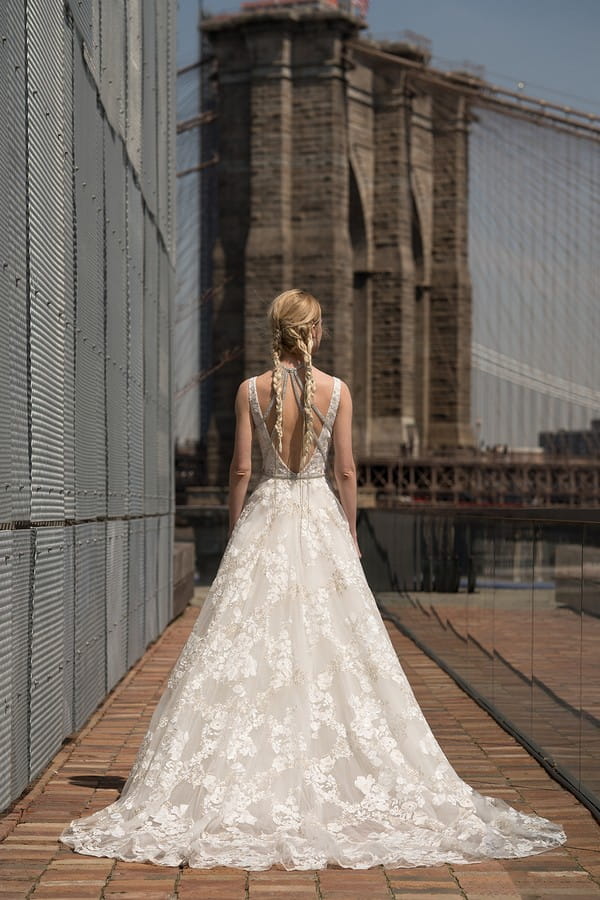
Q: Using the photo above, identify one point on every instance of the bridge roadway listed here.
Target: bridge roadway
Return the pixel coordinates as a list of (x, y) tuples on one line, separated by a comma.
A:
[(487, 479)]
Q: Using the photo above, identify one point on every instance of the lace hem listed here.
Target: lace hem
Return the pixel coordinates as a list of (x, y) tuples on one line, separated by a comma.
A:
[(295, 851)]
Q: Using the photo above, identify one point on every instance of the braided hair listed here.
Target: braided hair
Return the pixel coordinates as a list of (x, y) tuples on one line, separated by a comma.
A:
[(293, 314)]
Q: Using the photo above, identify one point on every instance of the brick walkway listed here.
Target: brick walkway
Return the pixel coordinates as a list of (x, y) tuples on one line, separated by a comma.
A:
[(88, 772)]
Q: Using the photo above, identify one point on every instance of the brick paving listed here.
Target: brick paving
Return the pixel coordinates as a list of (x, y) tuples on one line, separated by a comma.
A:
[(90, 769)]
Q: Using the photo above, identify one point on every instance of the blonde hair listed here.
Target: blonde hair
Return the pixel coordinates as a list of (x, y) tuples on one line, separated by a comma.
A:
[(292, 315)]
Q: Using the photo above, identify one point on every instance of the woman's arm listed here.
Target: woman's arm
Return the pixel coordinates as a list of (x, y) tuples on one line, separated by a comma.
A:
[(343, 465), (240, 469)]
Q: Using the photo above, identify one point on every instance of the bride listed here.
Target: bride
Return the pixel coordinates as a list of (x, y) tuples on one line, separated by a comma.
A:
[(288, 732)]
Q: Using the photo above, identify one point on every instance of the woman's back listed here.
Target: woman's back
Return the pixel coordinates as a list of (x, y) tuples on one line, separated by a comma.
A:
[(293, 408)]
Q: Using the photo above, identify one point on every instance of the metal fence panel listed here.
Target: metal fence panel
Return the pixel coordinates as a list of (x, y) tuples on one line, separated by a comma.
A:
[(170, 236), (116, 323), (136, 607), (6, 715), (151, 251), (46, 686), (93, 56), (82, 12), (135, 289), (68, 645), (134, 83), (21, 588), (117, 592), (7, 61), (90, 618), (46, 255), (14, 442), (163, 386), (68, 200), (163, 450), (86, 15), (171, 316), (170, 518), (89, 382), (112, 62), (170, 561), (149, 85), (162, 117), (163, 585), (151, 579)]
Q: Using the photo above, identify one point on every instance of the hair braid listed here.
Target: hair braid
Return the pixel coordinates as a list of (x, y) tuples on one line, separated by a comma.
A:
[(276, 382), (293, 314), (308, 437)]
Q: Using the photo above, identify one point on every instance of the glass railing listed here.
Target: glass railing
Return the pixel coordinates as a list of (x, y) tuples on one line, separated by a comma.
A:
[(509, 604)]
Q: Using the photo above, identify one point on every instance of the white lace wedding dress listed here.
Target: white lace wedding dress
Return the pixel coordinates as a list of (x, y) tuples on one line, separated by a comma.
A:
[(288, 732)]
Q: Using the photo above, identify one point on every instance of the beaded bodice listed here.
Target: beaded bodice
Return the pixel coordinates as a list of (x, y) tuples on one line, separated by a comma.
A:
[(273, 464)]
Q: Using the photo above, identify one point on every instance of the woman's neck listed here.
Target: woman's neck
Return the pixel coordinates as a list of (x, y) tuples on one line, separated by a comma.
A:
[(291, 362)]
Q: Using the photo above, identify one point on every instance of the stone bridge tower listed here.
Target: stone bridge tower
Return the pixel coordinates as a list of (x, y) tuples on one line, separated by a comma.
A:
[(343, 170)]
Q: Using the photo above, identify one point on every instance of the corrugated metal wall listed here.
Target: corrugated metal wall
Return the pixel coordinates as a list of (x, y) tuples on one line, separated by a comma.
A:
[(86, 281), (192, 313)]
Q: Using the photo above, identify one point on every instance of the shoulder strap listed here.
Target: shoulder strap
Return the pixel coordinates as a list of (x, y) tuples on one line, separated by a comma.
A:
[(333, 404), (253, 399)]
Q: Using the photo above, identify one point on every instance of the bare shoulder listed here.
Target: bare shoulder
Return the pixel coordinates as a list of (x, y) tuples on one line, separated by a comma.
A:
[(345, 403), (243, 387), (322, 378), (263, 385), (264, 379), (327, 381), (319, 373), (242, 395)]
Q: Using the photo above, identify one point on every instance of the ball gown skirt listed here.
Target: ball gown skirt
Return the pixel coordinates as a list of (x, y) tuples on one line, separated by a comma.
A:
[(288, 732)]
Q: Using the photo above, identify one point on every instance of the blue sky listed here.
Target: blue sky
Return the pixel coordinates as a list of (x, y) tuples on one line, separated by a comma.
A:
[(550, 45)]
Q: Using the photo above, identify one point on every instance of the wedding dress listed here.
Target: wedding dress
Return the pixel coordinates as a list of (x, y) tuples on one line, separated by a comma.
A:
[(288, 732)]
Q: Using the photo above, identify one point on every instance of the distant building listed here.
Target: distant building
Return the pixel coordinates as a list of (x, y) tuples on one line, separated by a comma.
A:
[(572, 443), (354, 7)]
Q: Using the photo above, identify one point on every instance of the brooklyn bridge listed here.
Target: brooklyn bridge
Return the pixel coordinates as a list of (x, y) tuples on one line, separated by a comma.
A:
[(448, 227)]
